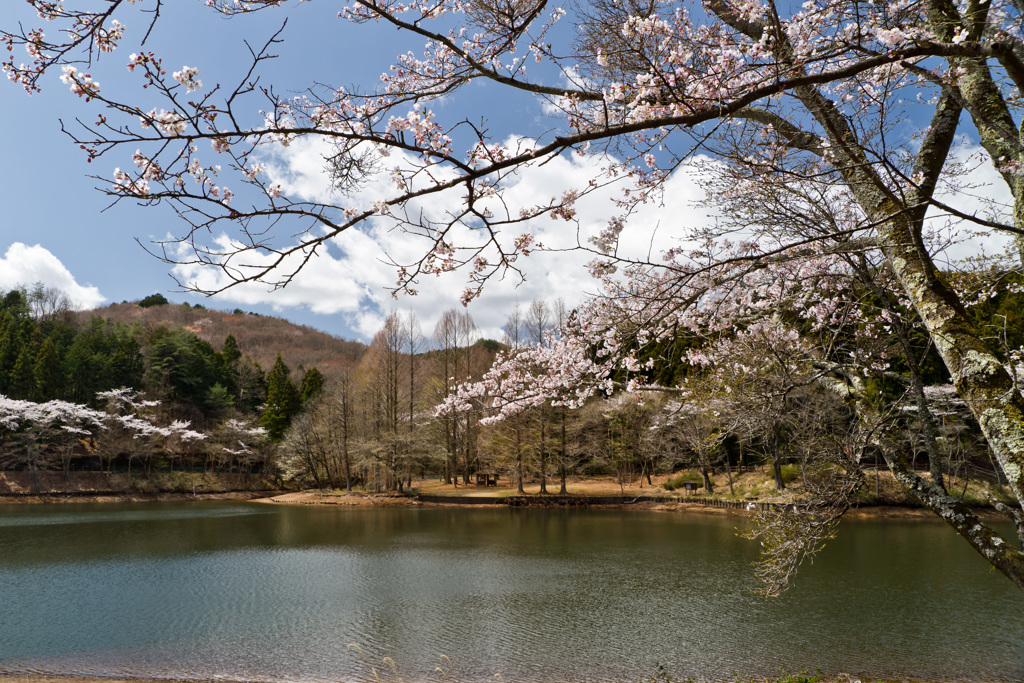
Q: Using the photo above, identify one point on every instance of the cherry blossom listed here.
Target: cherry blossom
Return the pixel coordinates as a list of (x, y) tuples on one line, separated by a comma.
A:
[(188, 78)]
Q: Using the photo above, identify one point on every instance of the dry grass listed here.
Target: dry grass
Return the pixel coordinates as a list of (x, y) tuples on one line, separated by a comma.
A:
[(575, 486), (758, 485)]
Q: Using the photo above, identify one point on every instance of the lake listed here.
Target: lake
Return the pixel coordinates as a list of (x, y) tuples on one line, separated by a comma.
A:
[(282, 593)]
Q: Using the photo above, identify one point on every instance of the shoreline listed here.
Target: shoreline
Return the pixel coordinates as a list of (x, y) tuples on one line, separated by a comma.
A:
[(881, 497), (373, 500), (62, 498), (680, 505), (71, 678)]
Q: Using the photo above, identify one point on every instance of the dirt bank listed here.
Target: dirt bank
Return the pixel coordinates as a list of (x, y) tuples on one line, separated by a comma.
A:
[(131, 497), (121, 487)]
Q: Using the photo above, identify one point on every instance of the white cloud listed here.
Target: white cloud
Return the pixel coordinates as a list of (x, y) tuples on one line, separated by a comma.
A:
[(25, 265), (973, 187), (352, 276), (301, 169)]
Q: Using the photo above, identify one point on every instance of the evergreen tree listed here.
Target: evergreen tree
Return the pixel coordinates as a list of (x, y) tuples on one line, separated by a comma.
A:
[(48, 373), (60, 331), (15, 303), (103, 356), (218, 400), (312, 385), (83, 370), (252, 386), (154, 300), (10, 348), (183, 368), (230, 350), (30, 333), (125, 365), (22, 382), (227, 378), (282, 401)]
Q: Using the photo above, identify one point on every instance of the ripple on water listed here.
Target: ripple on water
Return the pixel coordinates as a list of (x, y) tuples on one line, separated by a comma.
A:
[(200, 592)]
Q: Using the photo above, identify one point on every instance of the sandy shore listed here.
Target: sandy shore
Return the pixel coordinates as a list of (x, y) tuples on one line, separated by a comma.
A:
[(682, 505)]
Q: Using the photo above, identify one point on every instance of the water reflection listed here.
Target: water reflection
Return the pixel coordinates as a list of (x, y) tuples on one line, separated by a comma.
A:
[(254, 592)]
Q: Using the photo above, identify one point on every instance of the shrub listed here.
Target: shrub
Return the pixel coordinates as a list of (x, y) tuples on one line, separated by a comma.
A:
[(790, 473), (153, 300)]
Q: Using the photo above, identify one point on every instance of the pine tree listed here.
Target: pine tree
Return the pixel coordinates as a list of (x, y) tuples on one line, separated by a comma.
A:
[(282, 401), (230, 350)]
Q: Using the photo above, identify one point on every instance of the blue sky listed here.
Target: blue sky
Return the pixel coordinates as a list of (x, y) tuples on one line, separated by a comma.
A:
[(55, 228), (48, 200)]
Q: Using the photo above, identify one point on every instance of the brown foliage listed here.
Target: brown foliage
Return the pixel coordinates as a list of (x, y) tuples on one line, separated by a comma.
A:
[(260, 337)]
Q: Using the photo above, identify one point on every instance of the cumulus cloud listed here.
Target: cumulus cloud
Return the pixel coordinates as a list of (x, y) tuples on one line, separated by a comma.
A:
[(973, 187), (352, 275), (27, 265)]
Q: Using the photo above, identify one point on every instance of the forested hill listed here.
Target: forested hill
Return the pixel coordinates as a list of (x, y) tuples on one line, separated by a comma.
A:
[(260, 337)]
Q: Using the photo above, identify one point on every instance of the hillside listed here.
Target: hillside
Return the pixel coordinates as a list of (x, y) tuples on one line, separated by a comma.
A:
[(258, 336)]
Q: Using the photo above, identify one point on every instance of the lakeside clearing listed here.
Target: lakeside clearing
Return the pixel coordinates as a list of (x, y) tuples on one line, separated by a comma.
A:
[(881, 496)]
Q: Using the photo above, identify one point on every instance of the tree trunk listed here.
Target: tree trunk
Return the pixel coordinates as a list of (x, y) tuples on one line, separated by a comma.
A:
[(543, 453), (780, 485), (708, 486), (1000, 554), (561, 459), (519, 461)]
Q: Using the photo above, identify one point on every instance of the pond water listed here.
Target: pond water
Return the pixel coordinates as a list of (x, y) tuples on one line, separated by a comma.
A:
[(268, 593)]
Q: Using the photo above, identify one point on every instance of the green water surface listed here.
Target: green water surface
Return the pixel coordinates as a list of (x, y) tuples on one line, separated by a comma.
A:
[(276, 593)]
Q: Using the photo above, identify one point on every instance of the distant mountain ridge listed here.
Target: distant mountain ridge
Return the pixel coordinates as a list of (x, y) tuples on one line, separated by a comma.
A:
[(261, 337)]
